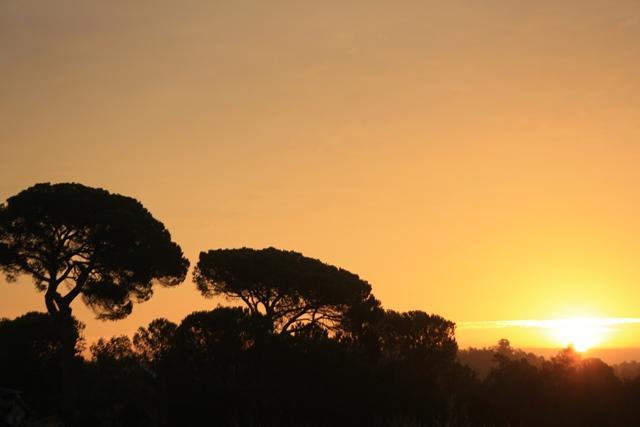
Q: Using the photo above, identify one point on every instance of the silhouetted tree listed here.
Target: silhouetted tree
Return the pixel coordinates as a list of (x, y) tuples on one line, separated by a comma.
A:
[(207, 366), (417, 335), (102, 246), (627, 370), (292, 291), (599, 390), (215, 338), (360, 323), (40, 355), (563, 365), (113, 350), (154, 342), (415, 364), (119, 390), (514, 390), (483, 360)]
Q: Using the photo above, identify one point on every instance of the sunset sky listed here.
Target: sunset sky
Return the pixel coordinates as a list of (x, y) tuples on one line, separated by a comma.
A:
[(478, 160)]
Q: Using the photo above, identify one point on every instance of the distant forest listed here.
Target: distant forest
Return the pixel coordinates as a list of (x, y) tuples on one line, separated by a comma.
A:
[(307, 344)]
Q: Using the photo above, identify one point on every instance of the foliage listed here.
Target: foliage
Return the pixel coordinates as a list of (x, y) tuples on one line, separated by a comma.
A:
[(228, 367), (483, 360), (292, 291), (154, 342), (105, 247), (417, 335), (40, 355)]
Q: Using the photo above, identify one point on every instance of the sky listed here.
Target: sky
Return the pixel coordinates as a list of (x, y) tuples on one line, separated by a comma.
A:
[(474, 159)]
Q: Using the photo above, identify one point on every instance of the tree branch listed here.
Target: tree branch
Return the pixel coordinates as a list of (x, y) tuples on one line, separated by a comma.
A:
[(295, 318), (80, 281)]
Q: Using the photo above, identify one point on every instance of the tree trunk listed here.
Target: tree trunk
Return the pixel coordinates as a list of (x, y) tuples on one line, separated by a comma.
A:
[(56, 305), (49, 301)]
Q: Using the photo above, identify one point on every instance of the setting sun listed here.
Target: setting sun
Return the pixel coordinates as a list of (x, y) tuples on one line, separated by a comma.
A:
[(581, 333)]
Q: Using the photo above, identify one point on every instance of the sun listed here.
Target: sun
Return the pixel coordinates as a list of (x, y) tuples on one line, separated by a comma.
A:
[(580, 333)]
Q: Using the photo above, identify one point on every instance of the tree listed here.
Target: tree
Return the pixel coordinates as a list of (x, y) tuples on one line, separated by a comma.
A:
[(116, 349), (514, 391), (40, 354), (104, 247), (154, 342), (215, 338), (292, 291), (119, 390), (38, 337), (419, 336)]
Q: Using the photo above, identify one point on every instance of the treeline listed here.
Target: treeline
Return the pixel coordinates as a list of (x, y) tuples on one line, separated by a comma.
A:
[(483, 360), (228, 367), (307, 345)]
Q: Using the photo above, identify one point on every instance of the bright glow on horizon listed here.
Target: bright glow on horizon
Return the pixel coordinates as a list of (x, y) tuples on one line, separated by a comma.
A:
[(583, 333)]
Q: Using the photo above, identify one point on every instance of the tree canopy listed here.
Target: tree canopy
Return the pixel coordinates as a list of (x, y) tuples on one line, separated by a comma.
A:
[(417, 334), (105, 247), (292, 291)]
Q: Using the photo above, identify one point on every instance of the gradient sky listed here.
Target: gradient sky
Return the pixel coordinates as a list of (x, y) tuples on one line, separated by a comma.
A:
[(475, 159)]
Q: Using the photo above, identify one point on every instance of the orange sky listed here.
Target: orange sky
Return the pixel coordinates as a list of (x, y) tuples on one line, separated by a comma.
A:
[(479, 160)]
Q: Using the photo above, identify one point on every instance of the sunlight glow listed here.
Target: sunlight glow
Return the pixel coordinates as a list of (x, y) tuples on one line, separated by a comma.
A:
[(583, 333)]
